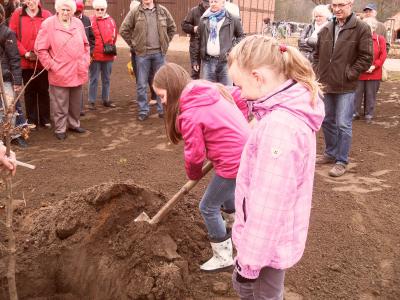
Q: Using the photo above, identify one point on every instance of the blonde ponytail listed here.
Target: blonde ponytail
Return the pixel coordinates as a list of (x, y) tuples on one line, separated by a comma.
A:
[(256, 51)]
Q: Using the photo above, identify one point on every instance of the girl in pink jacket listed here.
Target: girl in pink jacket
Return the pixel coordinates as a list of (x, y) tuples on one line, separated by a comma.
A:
[(275, 179), (206, 117)]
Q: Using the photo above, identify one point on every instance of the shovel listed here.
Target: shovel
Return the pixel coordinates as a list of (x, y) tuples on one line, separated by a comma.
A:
[(143, 217)]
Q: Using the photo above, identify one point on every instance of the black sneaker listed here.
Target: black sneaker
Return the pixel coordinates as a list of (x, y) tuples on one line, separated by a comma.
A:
[(141, 118), (20, 142), (60, 135), (77, 130), (109, 104)]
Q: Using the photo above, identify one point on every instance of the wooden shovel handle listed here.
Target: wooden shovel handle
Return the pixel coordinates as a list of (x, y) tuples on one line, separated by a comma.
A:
[(179, 195)]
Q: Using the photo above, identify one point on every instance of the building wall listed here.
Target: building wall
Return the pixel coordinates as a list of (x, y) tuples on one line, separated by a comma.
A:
[(252, 11)]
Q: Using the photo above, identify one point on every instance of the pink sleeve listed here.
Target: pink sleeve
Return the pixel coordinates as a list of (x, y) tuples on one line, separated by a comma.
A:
[(194, 149), (240, 102), (272, 194), (42, 47), (381, 57)]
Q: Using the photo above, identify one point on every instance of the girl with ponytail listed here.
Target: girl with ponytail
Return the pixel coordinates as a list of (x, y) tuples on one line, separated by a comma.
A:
[(275, 178)]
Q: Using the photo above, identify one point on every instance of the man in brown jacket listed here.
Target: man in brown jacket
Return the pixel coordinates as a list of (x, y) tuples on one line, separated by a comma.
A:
[(343, 52), (148, 30)]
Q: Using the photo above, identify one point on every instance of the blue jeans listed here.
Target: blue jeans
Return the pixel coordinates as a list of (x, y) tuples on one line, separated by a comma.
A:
[(19, 119), (337, 125), (220, 192), (146, 67), (105, 68), (216, 71)]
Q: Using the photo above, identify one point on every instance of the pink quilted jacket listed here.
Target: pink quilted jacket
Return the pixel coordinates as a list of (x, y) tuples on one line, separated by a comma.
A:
[(213, 128), (275, 181)]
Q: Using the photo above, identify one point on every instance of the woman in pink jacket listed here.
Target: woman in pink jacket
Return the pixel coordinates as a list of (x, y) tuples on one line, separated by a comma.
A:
[(206, 117), (63, 49), (275, 178)]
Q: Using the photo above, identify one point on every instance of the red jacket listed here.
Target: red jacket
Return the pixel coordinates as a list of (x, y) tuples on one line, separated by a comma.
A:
[(380, 54), (26, 30), (108, 29)]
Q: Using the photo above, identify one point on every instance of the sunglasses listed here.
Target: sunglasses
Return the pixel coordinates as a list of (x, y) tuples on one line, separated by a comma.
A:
[(100, 9)]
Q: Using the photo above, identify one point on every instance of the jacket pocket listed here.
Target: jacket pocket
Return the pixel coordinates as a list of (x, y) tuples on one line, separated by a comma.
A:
[(244, 209), (350, 74)]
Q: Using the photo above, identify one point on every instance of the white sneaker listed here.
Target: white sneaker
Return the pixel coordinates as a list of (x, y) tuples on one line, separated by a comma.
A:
[(222, 257)]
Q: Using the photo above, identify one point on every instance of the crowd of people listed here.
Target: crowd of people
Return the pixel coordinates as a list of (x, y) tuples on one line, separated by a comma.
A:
[(251, 106)]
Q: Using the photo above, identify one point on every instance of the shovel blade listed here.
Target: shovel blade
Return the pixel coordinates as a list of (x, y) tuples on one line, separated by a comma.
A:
[(143, 217)]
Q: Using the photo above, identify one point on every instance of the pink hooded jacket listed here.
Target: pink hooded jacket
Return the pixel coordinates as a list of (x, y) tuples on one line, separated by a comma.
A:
[(211, 127), (275, 181), (64, 52)]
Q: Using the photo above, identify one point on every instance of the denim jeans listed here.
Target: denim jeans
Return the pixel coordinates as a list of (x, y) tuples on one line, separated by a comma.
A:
[(337, 125), (19, 118), (105, 68), (150, 80), (216, 71), (268, 286), (146, 67), (220, 192)]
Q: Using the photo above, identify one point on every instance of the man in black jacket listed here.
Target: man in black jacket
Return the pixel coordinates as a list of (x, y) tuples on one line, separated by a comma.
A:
[(190, 26), (218, 32), (343, 52)]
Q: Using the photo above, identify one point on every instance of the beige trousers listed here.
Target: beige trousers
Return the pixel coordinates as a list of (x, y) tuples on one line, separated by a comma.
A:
[(65, 107)]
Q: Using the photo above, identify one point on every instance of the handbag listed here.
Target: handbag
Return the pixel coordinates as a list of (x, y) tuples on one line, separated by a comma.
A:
[(108, 49)]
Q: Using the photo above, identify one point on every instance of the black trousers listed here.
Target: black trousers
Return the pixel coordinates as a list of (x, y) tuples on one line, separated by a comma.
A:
[(37, 99)]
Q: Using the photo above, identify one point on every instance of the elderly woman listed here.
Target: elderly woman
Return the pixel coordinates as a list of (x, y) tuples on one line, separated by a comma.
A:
[(368, 83), (25, 22), (63, 49), (309, 36), (105, 33)]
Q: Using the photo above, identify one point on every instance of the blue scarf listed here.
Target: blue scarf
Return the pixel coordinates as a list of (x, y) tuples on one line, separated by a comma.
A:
[(214, 18)]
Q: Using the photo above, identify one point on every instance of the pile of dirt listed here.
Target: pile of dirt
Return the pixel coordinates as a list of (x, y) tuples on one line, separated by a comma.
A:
[(88, 246)]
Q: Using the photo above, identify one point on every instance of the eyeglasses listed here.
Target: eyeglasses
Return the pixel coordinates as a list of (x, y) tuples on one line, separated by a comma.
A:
[(65, 10), (100, 9), (340, 5)]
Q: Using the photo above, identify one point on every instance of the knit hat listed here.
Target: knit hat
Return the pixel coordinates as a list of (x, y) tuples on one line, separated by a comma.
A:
[(79, 5), (70, 3), (99, 4)]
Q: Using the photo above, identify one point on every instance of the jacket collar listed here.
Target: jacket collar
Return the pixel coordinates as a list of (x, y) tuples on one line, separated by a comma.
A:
[(58, 25), (350, 22), (24, 13)]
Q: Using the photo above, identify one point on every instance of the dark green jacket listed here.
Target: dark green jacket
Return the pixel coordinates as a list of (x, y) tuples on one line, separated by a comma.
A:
[(134, 29)]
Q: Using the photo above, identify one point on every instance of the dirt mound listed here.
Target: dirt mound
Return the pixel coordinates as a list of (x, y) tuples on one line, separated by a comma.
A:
[(89, 247)]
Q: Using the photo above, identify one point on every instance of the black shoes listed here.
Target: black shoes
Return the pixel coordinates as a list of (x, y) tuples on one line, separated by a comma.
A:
[(109, 104), (77, 130), (20, 142), (60, 135), (141, 118), (161, 115)]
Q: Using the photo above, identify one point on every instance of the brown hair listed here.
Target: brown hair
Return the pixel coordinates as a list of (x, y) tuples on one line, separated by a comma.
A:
[(256, 51), (172, 78)]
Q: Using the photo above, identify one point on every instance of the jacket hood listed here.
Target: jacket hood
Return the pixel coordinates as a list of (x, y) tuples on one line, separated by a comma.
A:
[(295, 99), (198, 93)]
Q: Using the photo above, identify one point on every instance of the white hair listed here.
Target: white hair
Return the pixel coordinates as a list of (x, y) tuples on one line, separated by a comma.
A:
[(372, 22), (99, 4), (321, 10), (70, 3)]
